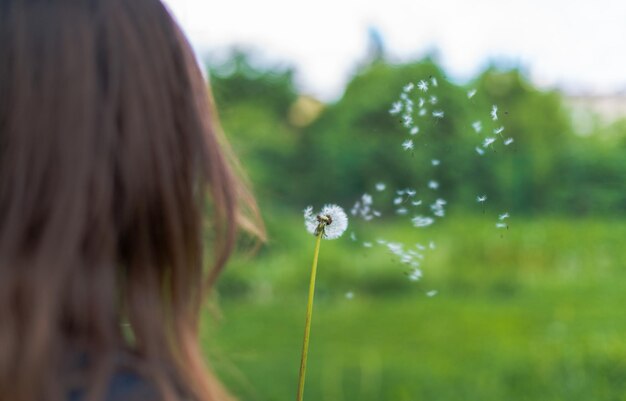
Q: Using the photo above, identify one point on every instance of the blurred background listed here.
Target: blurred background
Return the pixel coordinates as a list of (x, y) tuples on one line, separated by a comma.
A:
[(529, 310)]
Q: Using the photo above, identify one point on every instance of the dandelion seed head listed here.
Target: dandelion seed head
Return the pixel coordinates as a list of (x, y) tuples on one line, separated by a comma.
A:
[(337, 225)]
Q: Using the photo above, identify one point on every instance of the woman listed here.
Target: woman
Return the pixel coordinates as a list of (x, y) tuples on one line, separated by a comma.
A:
[(108, 146)]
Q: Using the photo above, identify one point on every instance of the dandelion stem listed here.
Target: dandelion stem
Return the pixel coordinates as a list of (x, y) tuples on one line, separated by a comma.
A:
[(309, 313)]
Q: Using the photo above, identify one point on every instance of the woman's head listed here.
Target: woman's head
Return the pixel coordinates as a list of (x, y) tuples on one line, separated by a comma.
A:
[(108, 146)]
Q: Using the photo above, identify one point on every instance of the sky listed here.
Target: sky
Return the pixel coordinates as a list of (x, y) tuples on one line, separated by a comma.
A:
[(578, 46)]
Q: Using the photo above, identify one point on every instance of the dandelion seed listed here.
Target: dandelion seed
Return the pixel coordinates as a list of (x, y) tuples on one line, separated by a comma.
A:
[(420, 246), (353, 236), (349, 295), (501, 225), (433, 99), (367, 244), (404, 96), (396, 108), (415, 275), (503, 216), (435, 162), (416, 203), (408, 144), (498, 131), (410, 192), (408, 105), (478, 126), (433, 184), (376, 213), (508, 141), (423, 112), (414, 130), (422, 85), (471, 93), (402, 211), (407, 120), (380, 186), (480, 151), (381, 241), (332, 221), (421, 102), (481, 198), (433, 81), (488, 141), (408, 87), (494, 112), (432, 245), (422, 221), (438, 114), (431, 293), (397, 200)]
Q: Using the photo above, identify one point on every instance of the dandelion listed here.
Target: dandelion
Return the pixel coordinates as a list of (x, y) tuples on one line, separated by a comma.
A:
[(435, 162), (408, 144), (478, 126), (498, 131), (488, 141), (422, 221), (481, 198), (438, 113), (433, 184), (471, 93), (494, 112), (330, 223), (480, 151), (503, 216), (408, 87), (508, 141), (396, 108), (380, 186), (431, 293), (422, 85)]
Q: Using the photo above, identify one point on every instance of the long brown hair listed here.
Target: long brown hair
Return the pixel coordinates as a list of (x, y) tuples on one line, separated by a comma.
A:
[(109, 159)]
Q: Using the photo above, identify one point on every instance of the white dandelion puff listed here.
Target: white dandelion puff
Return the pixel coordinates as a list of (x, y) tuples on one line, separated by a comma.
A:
[(438, 113), (503, 216), (480, 151), (408, 144), (332, 221), (481, 198), (494, 112), (471, 93), (380, 186), (414, 130), (498, 131), (422, 221), (478, 126), (396, 108), (488, 141), (422, 85), (435, 162), (508, 141), (432, 184)]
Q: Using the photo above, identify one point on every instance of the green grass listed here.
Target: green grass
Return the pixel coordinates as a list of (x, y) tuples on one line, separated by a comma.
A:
[(530, 313)]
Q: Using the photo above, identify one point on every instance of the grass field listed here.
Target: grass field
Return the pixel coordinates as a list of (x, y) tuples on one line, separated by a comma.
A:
[(535, 312)]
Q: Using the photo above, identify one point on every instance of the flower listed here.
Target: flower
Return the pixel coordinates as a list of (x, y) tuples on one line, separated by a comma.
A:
[(332, 221)]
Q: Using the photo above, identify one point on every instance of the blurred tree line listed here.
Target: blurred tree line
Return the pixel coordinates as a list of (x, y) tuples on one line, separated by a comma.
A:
[(298, 151)]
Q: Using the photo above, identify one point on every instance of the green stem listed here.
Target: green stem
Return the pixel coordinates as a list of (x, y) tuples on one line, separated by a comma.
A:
[(309, 313)]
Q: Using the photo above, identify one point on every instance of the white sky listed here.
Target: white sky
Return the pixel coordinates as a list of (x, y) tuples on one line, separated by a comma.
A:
[(579, 45)]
